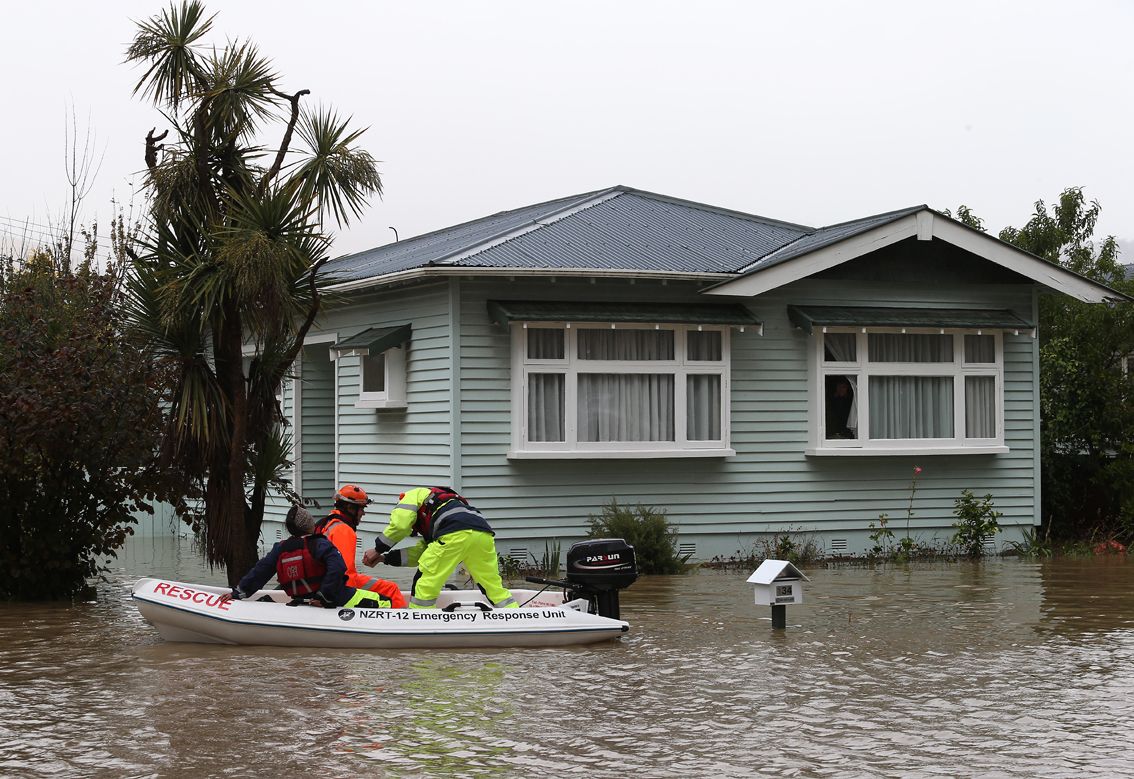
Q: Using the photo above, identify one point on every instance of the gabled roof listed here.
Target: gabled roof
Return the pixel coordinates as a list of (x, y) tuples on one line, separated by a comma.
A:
[(825, 236), (624, 231), (616, 229), (830, 246)]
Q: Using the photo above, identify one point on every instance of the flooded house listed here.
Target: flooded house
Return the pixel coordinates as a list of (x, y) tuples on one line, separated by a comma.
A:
[(752, 377)]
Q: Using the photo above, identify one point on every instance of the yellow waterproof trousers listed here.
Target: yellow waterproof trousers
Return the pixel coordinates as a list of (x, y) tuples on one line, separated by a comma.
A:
[(477, 550)]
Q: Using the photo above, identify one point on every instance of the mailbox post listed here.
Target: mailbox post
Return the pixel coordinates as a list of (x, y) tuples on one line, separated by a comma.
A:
[(778, 583)]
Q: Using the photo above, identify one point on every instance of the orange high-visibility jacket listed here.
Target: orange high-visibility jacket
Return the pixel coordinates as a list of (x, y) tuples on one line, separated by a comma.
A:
[(345, 539)]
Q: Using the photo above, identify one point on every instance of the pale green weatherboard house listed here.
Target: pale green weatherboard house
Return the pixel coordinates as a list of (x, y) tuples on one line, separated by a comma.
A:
[(747, 375)]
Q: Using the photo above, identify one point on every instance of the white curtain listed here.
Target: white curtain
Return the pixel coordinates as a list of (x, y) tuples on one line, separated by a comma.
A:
[(704, 345), (980, 348), (608, 344), (546, 406), (703, 407), (911, 406), (911, 347), (980, 407), (625, 407), (545, 343)]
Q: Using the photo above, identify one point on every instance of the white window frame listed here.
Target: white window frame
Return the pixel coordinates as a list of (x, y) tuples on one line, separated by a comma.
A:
[(863, 369), (394, 394), (571, 367)]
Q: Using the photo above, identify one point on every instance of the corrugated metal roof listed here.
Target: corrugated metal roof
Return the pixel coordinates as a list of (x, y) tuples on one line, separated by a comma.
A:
[(615, 229), (433, 247), (807, 317), (825, 236), (504, 311)]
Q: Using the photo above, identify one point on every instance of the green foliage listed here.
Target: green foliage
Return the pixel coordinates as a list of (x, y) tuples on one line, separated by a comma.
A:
[(80, 419), (546, 566), (1087, 441), (798, 548), (647, 530), (882, 536), (1086, 392), (511, 568), (976, 521), (965, 216), (1032, 546), (233, 244), (902, 550), (905, 548)]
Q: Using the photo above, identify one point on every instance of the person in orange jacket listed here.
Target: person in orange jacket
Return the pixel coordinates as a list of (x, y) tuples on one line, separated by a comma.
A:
[(341, 528)]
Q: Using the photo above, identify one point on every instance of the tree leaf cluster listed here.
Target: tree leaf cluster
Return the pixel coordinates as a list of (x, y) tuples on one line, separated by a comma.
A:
[(80, 422), (1086, 390)]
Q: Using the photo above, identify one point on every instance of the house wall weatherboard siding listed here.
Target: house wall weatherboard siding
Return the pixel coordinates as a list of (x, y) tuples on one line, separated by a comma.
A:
[(770, 485), (720, 504)]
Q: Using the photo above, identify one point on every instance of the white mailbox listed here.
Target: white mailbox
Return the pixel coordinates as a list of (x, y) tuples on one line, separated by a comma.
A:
[(778, 583)]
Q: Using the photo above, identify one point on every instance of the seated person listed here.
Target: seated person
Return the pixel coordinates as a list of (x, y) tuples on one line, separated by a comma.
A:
[(309, 569)]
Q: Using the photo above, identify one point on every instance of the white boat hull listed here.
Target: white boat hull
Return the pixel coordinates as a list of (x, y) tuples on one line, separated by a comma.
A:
[(195, 613)]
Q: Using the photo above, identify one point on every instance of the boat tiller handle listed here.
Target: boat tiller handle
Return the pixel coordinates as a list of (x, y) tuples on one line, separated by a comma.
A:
[(478, 604)]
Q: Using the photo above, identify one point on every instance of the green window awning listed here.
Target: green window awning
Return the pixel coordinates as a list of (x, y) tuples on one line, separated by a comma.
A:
[(374, 340), (809, 317), (507, 311)]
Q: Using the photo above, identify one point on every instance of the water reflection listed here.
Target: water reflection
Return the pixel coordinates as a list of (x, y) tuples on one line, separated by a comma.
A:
[(1004, 668)]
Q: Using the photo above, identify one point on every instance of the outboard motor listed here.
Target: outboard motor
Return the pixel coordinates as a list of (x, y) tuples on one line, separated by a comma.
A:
[(596, 570)]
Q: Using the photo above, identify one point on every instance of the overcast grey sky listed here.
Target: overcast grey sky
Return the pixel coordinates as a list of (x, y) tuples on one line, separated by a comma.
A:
[(810, 112)]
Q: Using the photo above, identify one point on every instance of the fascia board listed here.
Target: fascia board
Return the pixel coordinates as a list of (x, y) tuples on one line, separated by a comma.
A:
[(435, 272), (1039, 271)]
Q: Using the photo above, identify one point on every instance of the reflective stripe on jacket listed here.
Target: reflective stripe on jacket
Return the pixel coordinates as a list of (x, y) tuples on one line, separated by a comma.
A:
[(406, 518)]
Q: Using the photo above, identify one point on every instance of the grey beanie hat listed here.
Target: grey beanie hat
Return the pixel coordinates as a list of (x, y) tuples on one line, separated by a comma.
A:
[(299, 521)]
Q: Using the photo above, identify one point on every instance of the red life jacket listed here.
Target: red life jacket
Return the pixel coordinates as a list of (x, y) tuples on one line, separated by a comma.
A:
[(438, 497), (298, 571)]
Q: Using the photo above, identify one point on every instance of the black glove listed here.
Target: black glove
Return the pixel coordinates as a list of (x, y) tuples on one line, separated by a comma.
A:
[(237, 594)]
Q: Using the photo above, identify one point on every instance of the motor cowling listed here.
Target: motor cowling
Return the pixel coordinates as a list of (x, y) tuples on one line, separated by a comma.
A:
[(598, 568)]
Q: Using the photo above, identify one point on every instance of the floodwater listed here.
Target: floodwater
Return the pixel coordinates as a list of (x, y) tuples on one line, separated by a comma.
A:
[(1004, 668)]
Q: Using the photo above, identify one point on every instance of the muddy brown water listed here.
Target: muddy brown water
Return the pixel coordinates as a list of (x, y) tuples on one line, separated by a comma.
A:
[(1001, 668)]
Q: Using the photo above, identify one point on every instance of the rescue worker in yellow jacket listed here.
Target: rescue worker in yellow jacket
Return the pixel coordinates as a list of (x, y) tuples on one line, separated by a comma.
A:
[(452, 532)]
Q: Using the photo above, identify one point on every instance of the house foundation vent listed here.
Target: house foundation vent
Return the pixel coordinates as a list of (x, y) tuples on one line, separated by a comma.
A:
[(279, 535), (686, 549), (518, 554), (838, 545)]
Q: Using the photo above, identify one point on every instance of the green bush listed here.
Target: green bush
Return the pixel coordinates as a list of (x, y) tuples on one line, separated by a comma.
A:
[(647, 530), (976, 520)]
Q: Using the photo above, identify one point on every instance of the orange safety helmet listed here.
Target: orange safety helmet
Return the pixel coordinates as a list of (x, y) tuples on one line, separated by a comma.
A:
[(352, 493)]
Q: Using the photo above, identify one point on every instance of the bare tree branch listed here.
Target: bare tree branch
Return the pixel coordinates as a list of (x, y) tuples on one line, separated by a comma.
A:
[(152, 147), (285, 144)]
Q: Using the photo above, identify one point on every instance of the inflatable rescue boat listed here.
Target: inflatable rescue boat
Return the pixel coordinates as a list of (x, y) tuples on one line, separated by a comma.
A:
[(580, 609)]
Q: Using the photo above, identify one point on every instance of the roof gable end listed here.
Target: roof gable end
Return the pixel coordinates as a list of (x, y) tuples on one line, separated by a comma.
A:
[(831, 246)]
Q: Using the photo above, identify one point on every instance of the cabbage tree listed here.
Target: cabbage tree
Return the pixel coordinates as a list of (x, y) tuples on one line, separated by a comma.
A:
[(241, 183)]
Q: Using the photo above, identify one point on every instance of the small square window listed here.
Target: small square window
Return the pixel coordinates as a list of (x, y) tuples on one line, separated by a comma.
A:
[(382, 379)]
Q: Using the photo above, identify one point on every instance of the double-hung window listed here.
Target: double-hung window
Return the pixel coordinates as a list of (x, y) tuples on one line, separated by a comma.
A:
[(900, 389), (620, 390)]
